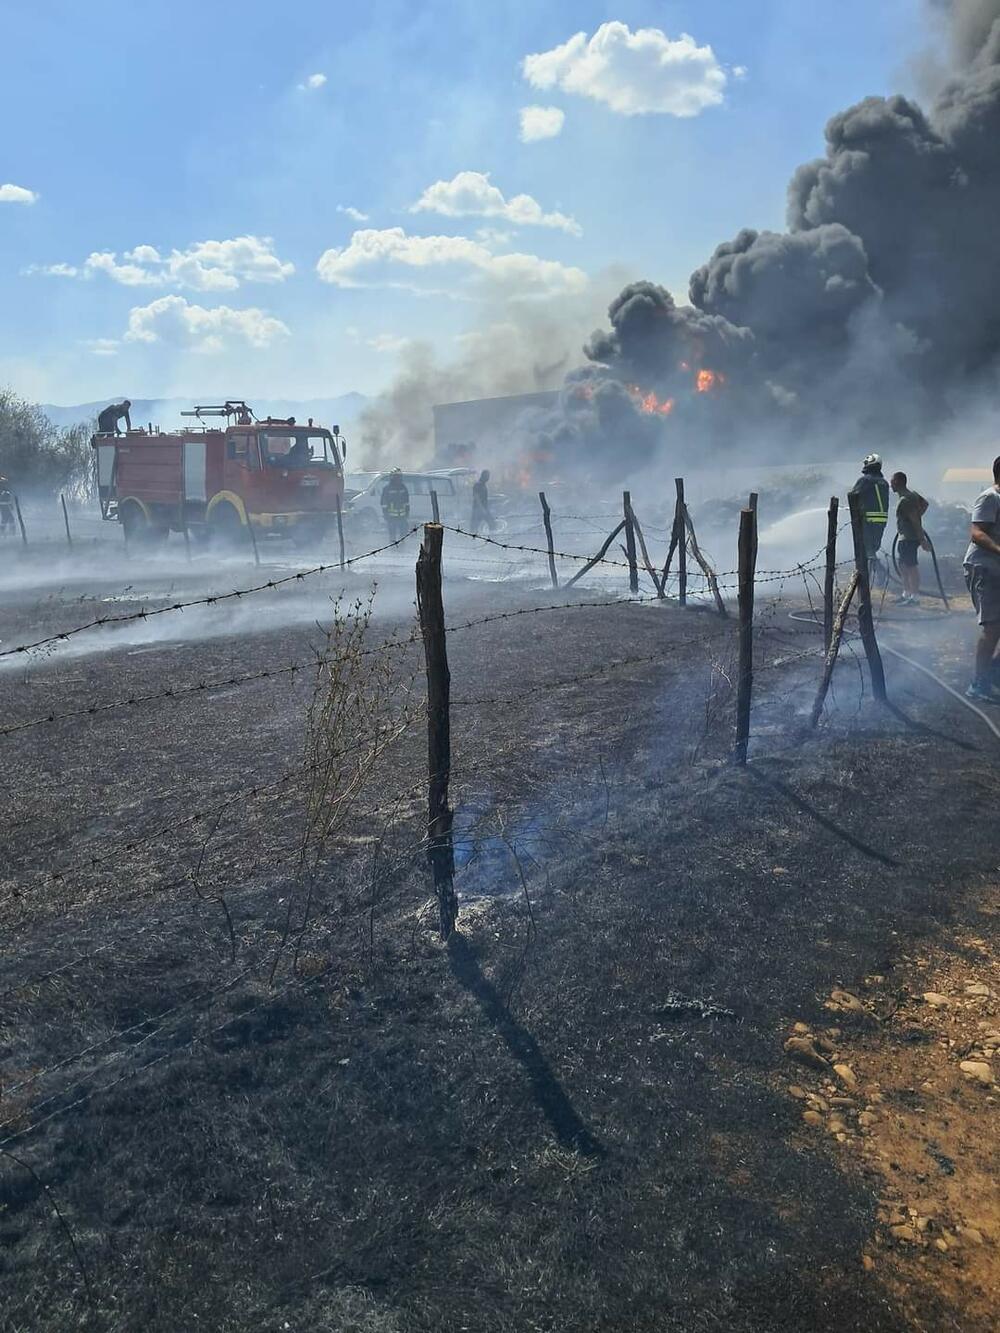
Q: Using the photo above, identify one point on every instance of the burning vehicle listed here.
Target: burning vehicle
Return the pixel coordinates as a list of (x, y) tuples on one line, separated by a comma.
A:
[(214, 481)]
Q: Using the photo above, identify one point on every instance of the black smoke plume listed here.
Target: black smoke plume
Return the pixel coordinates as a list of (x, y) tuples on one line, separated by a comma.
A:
[(875, 316)]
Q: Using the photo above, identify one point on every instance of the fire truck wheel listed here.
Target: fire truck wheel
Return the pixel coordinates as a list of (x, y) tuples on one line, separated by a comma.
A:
[(139, 532), (227, 530)]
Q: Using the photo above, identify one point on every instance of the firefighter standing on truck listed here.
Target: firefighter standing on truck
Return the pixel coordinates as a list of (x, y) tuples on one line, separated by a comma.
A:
[(873, 489), (396, 506), (107, 421)]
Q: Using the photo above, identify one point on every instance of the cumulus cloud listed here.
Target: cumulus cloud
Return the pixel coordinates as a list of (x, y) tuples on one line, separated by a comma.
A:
[(206, 266), (634, 73), (355, 214), (172, 320), (313, 82), (511, 275), (17, 194), (470, 194), (541, 122)]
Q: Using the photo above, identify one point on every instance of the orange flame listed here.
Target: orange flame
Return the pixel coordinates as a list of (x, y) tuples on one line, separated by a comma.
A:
[(708, 379)]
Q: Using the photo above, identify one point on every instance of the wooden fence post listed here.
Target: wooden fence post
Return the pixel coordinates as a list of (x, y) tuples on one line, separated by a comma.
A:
[(69, 535), (340, 530), (596, 560), (831, 568), (20, 521), (547, 520), (866, 624), (744, 691), (833, 648), (706, 568), (430, 605), (435, 511), (633, 568), (645, 553), (681, 521), (253, 539)]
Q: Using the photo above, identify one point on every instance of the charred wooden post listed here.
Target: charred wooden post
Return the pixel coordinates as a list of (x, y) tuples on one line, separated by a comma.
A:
[(831, 568), (678, 539), (744, 691), (340, 530), (430, 605), (435, 511), (69, 535), (752, 505), (706, 568), (598, 557), (645, 555), (833, 648), (20, 521), (547, 520), (633, 568), (866, 623)]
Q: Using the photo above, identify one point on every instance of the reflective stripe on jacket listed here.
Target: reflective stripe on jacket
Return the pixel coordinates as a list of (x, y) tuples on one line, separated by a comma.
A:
[(874, 493)]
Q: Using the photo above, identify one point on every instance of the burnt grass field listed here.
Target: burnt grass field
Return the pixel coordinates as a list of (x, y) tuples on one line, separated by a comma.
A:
[(236, 1100)]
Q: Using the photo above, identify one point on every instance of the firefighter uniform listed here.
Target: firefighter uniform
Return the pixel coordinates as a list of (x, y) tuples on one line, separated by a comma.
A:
[(7, 507), (396, 507), (873, 489)]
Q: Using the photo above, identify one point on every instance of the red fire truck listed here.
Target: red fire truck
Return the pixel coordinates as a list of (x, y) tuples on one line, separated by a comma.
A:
[(214, 481)]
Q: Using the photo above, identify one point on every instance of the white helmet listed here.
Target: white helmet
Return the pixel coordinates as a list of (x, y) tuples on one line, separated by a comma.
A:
[(873, 460)]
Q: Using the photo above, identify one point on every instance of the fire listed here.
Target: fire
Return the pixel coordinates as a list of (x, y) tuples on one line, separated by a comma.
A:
[(707, 379), (649, 403)]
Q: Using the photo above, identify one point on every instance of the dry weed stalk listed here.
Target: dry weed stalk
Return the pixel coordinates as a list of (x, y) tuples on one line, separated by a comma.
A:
[(360, 705)]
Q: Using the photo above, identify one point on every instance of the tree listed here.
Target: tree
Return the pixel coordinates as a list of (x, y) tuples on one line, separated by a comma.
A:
[(36, 455)]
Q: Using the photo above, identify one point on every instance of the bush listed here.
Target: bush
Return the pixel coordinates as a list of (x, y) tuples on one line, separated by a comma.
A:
[(36, 455)]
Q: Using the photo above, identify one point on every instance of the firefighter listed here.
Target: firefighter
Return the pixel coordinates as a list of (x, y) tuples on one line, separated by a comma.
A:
[(481, 515), (107, 421), (7, 505), (396, 506), (874, 492)]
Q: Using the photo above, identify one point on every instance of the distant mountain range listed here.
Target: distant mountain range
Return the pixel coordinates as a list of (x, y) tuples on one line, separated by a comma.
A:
[(166, 412)]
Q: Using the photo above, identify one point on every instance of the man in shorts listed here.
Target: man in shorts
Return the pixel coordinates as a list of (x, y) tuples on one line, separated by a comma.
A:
[(982, 574), (910, 510)]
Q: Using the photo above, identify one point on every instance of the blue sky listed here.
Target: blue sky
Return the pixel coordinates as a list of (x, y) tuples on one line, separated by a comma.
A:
[(143, 131)]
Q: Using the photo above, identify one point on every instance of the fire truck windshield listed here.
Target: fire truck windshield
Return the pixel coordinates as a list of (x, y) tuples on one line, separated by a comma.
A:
[(298, 448)]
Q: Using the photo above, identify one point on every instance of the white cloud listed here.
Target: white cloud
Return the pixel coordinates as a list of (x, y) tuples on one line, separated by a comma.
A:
[(206, 266), (494, 237), (541, 122), (389, 342), (172, 320), (102, 346), (634, 73), (470, 194), (17, 194), (512, 275), (355, 214), (314, 81)]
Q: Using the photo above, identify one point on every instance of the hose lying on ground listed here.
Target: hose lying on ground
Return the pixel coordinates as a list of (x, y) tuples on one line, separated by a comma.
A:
[(810, 618), (940, 594)]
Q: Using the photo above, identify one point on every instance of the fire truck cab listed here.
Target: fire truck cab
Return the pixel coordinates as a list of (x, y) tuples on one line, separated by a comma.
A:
[(214, 481)]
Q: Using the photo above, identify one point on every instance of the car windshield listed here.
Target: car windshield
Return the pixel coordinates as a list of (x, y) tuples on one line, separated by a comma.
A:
[(289, 448)]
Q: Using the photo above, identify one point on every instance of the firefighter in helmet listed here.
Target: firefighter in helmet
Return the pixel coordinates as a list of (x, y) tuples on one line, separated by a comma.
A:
[(396, 506), (107, 421), (873, 489)]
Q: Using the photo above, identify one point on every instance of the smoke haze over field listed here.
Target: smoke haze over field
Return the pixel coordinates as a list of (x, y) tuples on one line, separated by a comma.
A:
[(874, 318)]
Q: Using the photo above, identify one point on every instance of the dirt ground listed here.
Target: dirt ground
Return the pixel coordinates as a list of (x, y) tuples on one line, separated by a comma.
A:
[(235, 1100)]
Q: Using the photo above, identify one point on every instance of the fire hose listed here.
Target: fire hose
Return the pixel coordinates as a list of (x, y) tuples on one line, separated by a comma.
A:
[(810, 618), (941, 594)]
